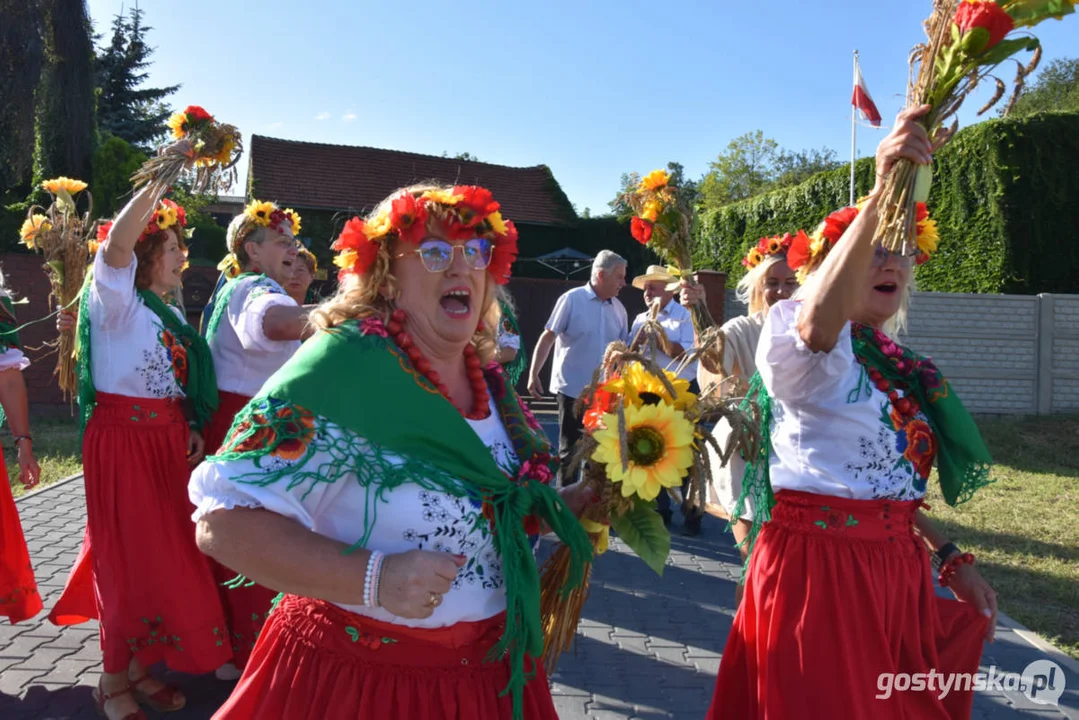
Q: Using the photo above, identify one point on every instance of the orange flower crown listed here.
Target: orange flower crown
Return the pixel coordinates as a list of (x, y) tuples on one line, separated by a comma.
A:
[(807, 252), (168, 214), (466, 212), (777, 245)]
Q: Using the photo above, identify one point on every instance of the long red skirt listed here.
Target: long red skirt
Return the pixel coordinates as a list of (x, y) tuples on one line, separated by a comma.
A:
[(838, 592), (247, 606), (315, 661), (19, 598), (152, 589)]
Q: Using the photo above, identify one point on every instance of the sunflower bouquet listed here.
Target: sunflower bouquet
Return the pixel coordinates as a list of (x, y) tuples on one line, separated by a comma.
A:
[(967, 43), (645, 433), (63, 236), (216, 149)]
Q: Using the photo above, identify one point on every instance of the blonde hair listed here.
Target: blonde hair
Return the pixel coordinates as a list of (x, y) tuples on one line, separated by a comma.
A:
[(750, 289), (372, 294)]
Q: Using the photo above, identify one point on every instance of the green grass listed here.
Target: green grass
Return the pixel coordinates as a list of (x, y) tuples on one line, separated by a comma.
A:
[(56, 447), (1024, 528)]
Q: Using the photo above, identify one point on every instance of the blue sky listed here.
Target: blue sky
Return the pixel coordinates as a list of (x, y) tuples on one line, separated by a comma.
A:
[(592, 89)]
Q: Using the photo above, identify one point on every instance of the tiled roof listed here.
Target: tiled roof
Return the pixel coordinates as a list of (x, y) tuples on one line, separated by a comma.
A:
[(342, 177)]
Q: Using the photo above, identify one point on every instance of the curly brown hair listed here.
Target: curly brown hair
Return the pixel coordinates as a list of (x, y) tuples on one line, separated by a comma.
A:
[(371, 294), (148, 252)]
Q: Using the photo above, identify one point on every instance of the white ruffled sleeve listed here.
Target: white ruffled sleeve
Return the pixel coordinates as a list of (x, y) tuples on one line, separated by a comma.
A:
[(791, 371), (247, 311), (113, 298), (12, 358), (228, 484)]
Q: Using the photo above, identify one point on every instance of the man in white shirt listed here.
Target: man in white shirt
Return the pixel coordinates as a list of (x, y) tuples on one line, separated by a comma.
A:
[(671, 345), (585, 320)]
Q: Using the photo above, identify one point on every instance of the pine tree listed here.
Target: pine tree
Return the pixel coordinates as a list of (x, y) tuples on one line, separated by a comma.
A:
[(125, 108)]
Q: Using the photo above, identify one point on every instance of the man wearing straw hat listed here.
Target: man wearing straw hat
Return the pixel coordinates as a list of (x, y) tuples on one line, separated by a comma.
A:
[(670, 345)]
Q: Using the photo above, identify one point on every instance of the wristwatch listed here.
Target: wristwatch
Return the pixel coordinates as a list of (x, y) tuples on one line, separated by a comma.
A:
[(946, 551)]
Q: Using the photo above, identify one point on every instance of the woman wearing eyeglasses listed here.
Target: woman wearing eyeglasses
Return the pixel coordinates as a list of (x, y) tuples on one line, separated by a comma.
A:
[(398, 481), (253, 328)]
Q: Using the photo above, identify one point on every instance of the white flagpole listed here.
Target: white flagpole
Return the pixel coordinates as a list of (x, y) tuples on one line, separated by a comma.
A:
[(853, 130)]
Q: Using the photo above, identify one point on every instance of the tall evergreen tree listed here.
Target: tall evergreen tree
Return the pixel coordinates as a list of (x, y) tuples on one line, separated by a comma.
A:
[(22, 49), (65, 96), (125, 108)]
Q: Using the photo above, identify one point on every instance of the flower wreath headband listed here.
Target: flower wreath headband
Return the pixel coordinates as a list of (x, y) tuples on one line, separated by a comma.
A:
[(768, 246), (806, 253), (257, 214), (168, 214), (466, 212)]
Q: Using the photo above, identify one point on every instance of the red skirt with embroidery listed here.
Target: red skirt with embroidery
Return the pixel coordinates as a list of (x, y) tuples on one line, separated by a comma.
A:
[(838, 592), (139, 571), (19, 598), (246, 606), (315, 661)]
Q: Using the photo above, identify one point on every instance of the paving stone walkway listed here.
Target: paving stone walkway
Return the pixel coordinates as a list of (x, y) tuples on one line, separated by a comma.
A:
[(647, 647)]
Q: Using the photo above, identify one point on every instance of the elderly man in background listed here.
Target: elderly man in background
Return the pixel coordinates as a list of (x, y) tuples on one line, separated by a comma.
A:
[(584, 321), (671, 345)]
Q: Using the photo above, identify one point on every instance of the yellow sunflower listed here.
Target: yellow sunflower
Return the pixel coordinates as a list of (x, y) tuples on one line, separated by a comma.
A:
[(775, 244), (260, 212), (295, 220), (378, 226), (655, 180), (176, 124), (659, 449), (651, 210), (68, 185), (33, 225), (755, 257), (497, 223), (927, 237), (165, 217), (442, 197), (639, 387)]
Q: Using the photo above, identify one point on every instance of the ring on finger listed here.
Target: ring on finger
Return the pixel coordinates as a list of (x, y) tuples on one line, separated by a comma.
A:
[(434, 600)]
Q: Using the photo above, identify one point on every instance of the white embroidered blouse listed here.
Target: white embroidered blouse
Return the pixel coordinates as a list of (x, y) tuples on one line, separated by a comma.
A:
[(244, 358), (132, 353), (405, 517), (833, 432)]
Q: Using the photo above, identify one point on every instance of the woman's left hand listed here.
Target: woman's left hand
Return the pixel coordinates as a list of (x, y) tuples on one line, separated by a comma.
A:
[(196, 447), (970, 587), (578, 497), (29, 470)]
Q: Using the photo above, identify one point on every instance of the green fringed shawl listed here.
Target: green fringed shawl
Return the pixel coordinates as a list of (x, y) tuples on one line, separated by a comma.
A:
[(221, 303), (201, 387), (365, 384), (963, 460), (514, 368)]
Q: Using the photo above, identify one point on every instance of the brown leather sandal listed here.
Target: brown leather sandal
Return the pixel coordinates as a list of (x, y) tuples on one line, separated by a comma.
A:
[(162, 701), (101, 697)]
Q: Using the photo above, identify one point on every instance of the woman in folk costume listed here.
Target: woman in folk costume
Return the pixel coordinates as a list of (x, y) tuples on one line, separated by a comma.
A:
[(769, 279), (839, 588), (511, 355), (397, 478), (19, 598), (146, 387), (253, 329), (303, 274)]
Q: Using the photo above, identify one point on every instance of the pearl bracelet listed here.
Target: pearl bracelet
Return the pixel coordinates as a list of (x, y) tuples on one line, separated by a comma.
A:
[(372, 578)]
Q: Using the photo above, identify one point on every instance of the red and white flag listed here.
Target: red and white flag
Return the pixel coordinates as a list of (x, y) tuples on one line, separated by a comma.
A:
[(862, 99)]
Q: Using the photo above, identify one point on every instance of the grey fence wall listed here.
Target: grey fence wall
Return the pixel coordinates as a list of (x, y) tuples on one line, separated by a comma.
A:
[(1003, 354)]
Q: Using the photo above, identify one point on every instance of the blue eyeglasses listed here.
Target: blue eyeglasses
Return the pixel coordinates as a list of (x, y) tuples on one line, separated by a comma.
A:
[(437, 255)]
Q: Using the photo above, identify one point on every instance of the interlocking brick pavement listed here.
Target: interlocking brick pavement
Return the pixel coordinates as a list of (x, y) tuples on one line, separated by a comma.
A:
[(647, 647)]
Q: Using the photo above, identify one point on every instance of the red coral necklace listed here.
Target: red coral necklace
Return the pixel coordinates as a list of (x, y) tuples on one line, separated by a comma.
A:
[(481, 398)]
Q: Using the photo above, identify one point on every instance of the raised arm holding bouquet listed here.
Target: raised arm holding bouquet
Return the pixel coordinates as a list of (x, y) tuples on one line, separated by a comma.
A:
[(967, 42), (213, 151)]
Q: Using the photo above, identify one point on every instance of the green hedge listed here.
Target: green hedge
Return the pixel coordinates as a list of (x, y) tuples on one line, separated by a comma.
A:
[(1003, 195)]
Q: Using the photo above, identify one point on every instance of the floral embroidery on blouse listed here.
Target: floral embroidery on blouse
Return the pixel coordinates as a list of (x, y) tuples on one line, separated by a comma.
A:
[(459, 527), (177, 354), (897, 462), (159, 367)]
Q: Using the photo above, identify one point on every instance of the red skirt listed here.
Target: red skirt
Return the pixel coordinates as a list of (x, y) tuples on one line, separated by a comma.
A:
[(838, 592), (246, 607), (316, 661), (152, 588), (19, 598)]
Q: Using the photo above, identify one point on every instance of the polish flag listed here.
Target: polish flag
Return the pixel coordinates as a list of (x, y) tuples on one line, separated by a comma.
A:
[(863, 100)]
